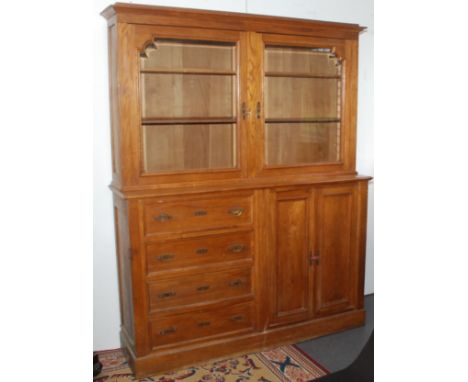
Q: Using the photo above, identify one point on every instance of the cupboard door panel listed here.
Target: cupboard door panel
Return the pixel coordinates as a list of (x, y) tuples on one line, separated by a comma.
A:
[(291, 269), (336, 249)]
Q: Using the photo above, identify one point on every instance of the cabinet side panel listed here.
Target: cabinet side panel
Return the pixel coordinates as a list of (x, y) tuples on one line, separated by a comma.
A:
[(114, 104), (125, 272), (361, 243)]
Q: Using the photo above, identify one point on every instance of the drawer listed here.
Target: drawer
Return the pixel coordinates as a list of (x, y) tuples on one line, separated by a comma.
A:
[(198, 251), (182, 215), (186, 327), (199, 288)]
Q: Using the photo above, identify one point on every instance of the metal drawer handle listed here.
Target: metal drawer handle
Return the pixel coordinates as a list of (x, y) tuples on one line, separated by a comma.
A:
[(170, 330), (166, 294), (201, 251), (203, 324), (235, 283), (200, 213), (237, 318), (165, 257), (163, 217), (203, 288), (237, 248), (236, 211)]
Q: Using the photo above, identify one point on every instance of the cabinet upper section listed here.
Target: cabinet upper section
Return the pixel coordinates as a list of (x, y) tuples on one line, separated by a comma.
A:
[(207, 97)]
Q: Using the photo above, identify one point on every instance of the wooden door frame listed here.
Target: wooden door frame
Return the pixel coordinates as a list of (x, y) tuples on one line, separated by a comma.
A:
[(133, 40), (344, 49)]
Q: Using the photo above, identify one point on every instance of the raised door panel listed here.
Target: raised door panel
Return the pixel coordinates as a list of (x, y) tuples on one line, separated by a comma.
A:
[(290, 292), (335, 252)]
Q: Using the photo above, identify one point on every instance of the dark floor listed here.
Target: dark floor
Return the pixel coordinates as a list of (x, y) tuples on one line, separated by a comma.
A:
[(338, 351)]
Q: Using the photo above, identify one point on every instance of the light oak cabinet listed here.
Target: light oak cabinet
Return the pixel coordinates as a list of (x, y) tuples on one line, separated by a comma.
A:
[(240, 219)]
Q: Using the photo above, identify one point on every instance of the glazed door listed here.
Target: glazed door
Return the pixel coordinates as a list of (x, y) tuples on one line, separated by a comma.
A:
[(305, 109), (291, 276), (334, 255), (185, 104)]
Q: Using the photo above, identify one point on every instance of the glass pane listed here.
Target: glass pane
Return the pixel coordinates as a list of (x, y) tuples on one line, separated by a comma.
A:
[(287, 97), (175, 54), (301, 143), (188, 105), (190, 146), (187, 95), (313, 61), (302, 106)]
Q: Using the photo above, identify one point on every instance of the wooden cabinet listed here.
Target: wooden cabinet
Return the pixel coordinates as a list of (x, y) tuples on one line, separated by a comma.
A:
[(240, 219)]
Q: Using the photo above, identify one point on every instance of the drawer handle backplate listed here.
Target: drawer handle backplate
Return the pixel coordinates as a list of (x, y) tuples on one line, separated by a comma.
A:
[(235, 283), (203, 324), (163, 217), (170, 330), (166, 294), (165, 257), (203, 288), (236, 211), (237, 248), (200, 213), (201, 251), (237, 318)]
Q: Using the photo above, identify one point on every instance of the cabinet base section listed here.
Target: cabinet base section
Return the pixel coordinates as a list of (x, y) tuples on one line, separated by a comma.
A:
[(184, 356)]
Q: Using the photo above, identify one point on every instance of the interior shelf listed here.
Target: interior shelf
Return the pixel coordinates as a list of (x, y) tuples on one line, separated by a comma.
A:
[(188, 121), (208, 72), (300, 75), (302, 120)]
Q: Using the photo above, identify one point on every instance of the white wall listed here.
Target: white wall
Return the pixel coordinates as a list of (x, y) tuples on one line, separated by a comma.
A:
[(106, 302)]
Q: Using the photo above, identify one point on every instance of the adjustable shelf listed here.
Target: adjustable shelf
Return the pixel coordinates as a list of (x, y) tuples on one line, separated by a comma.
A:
[(207, 72), (302, 120), (188, 121), (300, 75)]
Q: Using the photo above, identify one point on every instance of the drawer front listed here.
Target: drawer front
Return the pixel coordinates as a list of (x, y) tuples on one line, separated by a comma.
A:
[(184, 215), (198, 251), (200, 288), (185, 327)]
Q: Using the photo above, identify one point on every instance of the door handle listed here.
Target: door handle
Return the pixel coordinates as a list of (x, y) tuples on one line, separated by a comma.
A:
[(245, 111), (314, 260)]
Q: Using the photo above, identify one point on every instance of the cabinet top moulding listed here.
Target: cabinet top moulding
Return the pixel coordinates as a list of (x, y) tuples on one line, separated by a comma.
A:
[(184, 17)]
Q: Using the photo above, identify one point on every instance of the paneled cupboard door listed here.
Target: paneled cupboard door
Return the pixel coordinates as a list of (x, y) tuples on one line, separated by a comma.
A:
[(186, 102), (291, 273), (314, 257), (334, 256), (307, 120)]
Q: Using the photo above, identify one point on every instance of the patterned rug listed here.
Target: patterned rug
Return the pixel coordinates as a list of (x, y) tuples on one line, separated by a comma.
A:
[(283, 364)]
